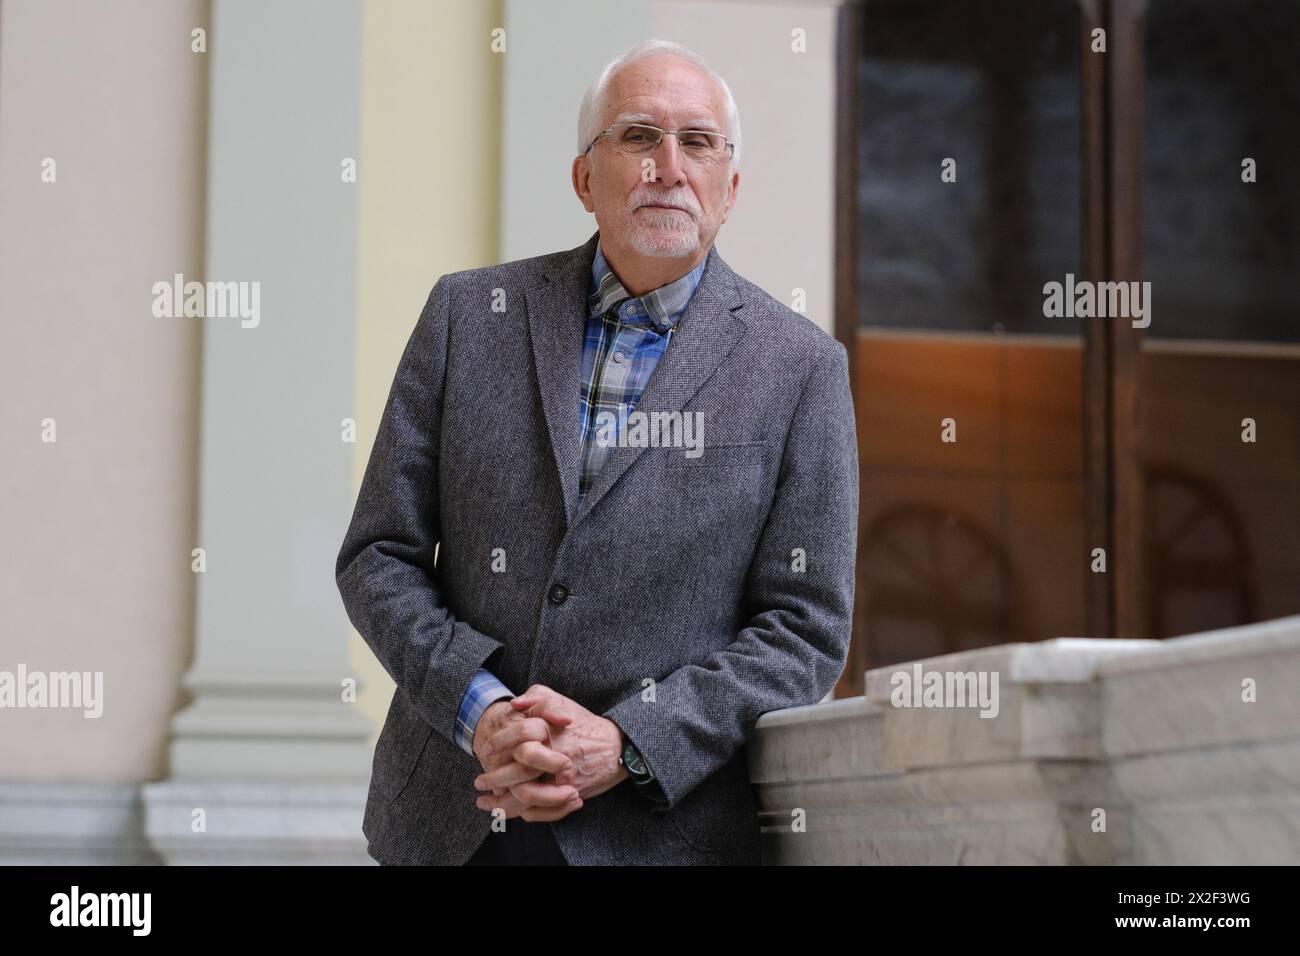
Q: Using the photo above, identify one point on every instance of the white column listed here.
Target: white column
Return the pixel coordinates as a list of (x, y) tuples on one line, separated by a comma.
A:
[(269, 754)]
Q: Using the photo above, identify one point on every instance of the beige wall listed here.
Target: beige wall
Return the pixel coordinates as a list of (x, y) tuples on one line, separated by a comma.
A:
[(429, 178), (99, 525)]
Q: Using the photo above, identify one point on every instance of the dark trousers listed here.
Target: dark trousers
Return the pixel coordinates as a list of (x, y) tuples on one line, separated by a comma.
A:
[(520, 844)]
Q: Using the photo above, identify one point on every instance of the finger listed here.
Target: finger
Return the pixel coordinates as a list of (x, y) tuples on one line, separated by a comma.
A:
[(532, 754), (507, 804), (550, 814), (535, 695), (497, 760), (526, 700), (505, 739), (506, 776), (538, 692), (553, 710), (552, 713), (537, 793)]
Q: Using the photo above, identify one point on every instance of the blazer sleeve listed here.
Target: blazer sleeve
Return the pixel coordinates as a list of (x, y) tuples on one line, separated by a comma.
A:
[(796, 642), (385, 571)]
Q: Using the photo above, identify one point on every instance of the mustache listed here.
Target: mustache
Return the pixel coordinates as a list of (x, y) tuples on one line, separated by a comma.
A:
[(678, 201)]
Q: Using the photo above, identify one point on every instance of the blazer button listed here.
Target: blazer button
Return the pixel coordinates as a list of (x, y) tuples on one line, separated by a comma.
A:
[(558, 594)]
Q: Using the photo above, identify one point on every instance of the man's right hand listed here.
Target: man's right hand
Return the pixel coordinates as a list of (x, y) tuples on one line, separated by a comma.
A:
[(545, 800)]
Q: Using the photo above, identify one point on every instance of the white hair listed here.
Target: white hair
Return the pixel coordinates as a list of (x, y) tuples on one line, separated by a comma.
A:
[(595, 102)]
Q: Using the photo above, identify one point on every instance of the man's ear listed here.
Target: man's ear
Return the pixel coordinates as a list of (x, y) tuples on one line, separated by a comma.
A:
[(731, 198), (581, 175)]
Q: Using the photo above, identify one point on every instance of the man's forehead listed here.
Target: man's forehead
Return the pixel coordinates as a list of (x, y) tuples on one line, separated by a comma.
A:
[(664, 89)]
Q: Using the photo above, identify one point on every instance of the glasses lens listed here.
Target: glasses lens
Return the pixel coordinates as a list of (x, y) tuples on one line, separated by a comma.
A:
[(700, 141), (632, 138)]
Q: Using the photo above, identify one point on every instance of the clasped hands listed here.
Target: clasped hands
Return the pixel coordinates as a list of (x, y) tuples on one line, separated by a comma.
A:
[(543, 754)]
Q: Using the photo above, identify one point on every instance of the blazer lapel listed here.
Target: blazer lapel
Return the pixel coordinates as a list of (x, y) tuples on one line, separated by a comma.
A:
[(557, 308), (557, 311)]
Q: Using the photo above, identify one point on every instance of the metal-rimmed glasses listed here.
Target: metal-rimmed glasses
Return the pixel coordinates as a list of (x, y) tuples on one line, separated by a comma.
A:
[(637, 138)]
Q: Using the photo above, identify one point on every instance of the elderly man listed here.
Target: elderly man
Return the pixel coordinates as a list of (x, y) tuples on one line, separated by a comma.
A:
[(653, 594)]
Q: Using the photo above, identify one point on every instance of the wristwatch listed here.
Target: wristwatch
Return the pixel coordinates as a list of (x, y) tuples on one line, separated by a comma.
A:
[(642, 779)]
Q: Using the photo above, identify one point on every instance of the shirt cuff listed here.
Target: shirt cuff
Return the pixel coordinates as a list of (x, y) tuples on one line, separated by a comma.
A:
[(484, 690)]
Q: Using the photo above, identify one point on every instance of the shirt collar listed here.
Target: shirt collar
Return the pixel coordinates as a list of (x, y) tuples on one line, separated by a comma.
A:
[(662, 307)]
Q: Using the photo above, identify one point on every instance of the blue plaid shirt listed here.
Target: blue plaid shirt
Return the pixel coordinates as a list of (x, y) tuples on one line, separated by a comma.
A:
[(625, 339)]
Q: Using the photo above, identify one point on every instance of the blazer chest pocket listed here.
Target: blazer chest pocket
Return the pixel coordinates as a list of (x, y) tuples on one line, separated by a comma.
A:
[(726, 483), (725, 455)]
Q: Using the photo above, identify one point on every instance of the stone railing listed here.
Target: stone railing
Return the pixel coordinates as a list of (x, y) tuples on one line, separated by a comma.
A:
[(1185, 751)]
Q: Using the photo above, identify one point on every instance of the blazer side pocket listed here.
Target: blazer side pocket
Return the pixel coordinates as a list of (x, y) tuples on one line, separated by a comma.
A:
[(398, 750), (721, 813)]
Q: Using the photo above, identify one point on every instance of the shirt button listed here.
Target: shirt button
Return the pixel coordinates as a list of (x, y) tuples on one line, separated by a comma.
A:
[(558, 594), (632, 308), (618, 357)]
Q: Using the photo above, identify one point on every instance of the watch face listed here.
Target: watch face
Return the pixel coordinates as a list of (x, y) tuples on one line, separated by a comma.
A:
[(632, 760)]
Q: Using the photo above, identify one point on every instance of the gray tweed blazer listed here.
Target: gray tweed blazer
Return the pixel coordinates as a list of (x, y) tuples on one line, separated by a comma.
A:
[(697, 592)]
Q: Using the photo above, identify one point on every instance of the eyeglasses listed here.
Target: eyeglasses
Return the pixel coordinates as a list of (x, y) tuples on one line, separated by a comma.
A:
[(634, 139)]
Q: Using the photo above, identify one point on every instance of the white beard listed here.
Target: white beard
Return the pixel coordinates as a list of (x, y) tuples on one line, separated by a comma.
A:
[(664, 234)]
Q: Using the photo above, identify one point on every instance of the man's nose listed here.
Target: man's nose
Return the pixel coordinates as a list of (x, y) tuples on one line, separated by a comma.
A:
[(669, 168)]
